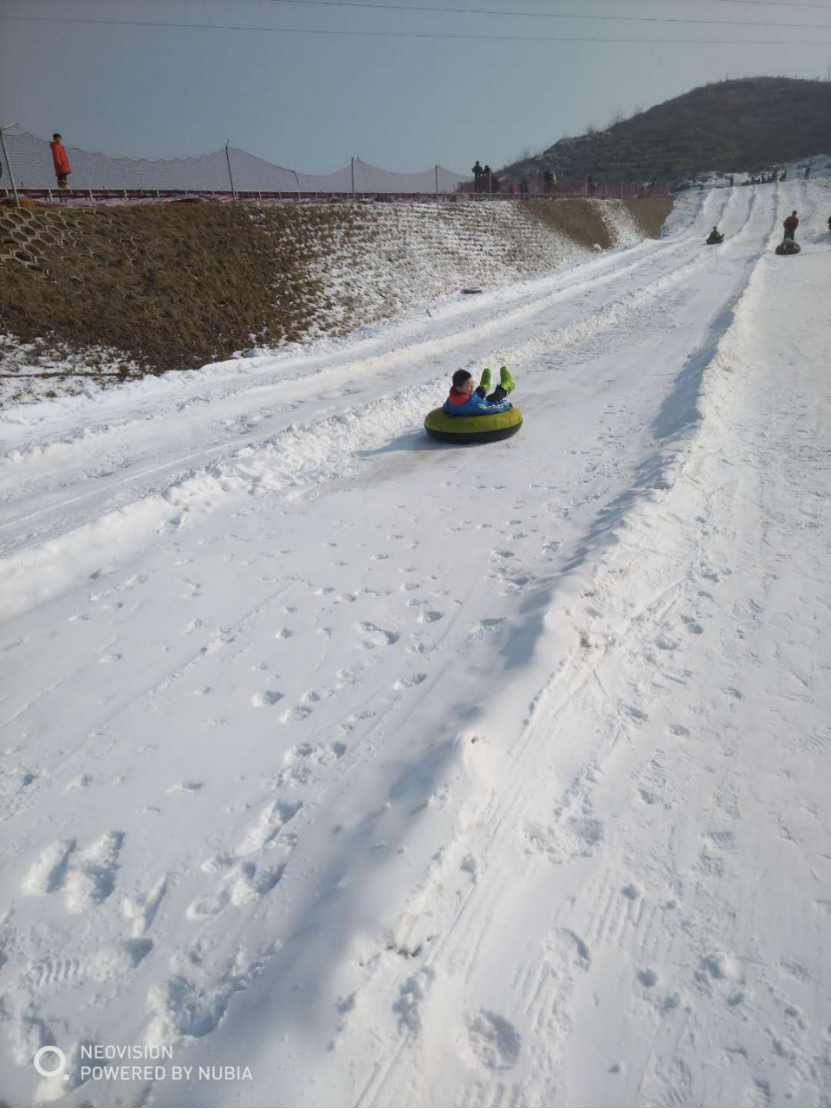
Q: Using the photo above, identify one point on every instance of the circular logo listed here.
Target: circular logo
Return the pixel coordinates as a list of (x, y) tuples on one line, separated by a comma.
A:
[(60, 1064)]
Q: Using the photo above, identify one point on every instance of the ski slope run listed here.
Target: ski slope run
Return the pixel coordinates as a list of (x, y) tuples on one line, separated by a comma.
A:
[(369, 771)]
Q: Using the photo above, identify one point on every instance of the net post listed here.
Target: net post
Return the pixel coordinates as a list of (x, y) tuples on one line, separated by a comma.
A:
[(8, 163), (230, 173)]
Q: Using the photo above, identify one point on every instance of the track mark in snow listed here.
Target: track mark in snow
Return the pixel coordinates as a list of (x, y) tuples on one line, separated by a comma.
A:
[(648, 978), (91, 877), (430, 617), (141, 908), (679, 731), (760, 1094), (375, 636), (106, 965), (486, 627), (83, 781), (492, 1041), (578, 949), (638, 716), (48, 872), (408, 683), (187, 1006), (303, 760), (579, 836), (652, 784), (241, 883), (271, 820), (266, 697), (412, 995), (296, 714)]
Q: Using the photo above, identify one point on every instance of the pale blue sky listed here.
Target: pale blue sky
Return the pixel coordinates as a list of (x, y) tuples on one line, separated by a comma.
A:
[(310, 101)]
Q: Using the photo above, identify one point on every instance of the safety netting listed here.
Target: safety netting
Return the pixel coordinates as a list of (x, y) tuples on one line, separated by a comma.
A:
[(220, 171)]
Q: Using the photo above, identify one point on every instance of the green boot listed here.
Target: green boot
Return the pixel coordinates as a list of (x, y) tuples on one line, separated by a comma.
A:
[(505, 380), (485, 381)]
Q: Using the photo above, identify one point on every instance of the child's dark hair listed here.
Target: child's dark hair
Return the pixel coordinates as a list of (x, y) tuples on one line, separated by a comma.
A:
[(460, 377)]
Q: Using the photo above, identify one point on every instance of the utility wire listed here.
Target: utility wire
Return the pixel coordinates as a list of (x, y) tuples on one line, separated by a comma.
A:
[(410, 34), (544, 15)]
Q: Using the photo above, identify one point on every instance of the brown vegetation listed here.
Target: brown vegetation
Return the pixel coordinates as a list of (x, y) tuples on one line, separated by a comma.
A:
[(176, 286)]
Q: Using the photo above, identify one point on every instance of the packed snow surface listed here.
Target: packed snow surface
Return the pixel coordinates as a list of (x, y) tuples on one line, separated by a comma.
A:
[(343, 767)]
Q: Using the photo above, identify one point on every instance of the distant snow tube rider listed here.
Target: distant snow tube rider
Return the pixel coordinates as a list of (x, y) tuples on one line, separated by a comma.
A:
[(469, 415), (715, 237)]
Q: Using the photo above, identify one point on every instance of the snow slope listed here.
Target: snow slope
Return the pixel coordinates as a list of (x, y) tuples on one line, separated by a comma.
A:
[(406, 775)]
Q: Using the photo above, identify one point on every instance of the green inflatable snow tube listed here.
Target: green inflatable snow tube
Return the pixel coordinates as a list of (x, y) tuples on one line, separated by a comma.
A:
[(472, 429)]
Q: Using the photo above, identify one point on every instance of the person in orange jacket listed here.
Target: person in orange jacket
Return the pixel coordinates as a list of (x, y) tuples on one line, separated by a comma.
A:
[(61, 162)]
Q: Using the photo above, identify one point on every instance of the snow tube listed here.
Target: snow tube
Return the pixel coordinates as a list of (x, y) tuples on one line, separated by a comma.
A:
[(788, 247), (472, 429)]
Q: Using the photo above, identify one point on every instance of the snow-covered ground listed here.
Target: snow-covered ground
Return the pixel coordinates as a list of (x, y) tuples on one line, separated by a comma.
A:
[(386, 773)]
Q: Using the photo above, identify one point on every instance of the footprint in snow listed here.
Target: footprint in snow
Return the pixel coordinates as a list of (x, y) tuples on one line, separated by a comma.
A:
[(492, 1041), (266, 697), (296, 714), (486, 627), (48, 871), (430, 617), (267, 826), (240, 884), (408, 683), (375, 636)]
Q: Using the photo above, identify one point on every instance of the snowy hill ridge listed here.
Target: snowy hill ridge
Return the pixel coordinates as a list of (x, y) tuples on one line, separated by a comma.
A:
[(731, 126), (404, 775)]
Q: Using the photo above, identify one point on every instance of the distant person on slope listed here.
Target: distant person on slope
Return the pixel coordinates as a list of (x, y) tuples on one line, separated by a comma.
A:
[(465, 400), (829, 224), (60, 161), (790, 225), (714, 237)]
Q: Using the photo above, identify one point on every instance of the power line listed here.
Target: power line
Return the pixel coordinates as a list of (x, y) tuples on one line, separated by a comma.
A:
[(410, 34), (543, 15), (776, 4)]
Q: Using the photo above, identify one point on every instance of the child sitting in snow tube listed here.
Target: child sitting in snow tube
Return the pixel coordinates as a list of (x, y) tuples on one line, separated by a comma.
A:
[(469, 415)]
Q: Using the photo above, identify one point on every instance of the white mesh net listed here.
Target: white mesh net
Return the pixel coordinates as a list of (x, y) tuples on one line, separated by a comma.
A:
[(31, 161)]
